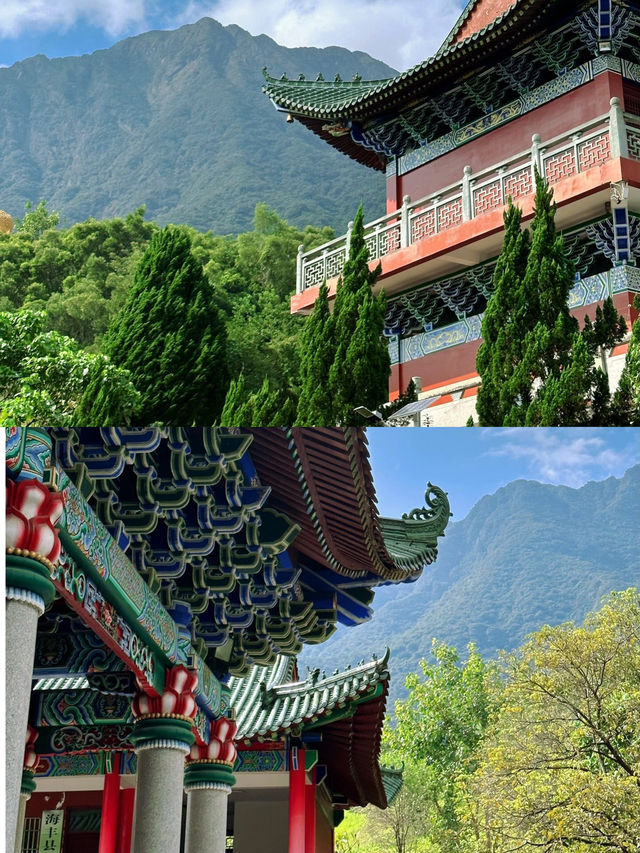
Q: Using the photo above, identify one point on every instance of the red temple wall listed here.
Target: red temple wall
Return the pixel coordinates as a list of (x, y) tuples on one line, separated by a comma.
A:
[(549, 120), (38, 803), (456, 364)]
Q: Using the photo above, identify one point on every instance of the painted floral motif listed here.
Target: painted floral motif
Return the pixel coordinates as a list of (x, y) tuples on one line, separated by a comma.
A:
[(32, 511), (176, 699), (221, 745)]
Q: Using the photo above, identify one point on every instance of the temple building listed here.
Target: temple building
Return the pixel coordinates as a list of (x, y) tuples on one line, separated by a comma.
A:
[(159, 585), (517, 85)]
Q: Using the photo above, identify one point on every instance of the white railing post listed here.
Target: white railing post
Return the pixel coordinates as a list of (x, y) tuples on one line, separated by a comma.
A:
[(536, 156), (467, 197), (405, 234), (617, 130), (299, 280), (575, 138), (347, 246)]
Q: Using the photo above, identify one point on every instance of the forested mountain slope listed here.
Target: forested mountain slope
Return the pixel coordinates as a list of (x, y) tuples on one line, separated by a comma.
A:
[(176, 120), (528, 555)]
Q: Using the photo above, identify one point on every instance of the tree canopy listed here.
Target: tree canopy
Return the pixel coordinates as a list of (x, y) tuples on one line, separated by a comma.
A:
[(45, 378), (170, 336), (538, 751), (537, 368)]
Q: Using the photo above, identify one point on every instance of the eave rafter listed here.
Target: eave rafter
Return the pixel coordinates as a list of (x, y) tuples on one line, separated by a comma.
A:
[(239, 570)]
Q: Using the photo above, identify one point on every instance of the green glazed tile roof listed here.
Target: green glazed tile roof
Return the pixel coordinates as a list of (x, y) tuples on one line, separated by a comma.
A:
[(268, 704), (77, 682), (329, 107), (392, 782), (360, 99)]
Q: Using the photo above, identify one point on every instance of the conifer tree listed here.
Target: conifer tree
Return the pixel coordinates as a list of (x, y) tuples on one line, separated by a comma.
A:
[(354, 286), (170, 336), (626, 400), (501, 348), (265, 407), (367, 361), (238, 408), (547, 328), (109, 397), (315, 407), (537, 369)]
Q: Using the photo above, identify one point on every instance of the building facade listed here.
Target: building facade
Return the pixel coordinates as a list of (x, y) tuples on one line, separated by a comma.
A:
[(515, 87), (159, 584)]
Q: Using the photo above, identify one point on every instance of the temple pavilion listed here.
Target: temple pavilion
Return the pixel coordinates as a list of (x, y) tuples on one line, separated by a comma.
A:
[(516, 85), (159, 585)]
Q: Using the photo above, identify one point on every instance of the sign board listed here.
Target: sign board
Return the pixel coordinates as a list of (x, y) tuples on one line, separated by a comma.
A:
[(51, 831)]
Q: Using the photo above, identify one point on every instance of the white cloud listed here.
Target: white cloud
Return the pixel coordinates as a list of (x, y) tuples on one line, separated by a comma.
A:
[(569, 457), (399, 32), (115, 17)]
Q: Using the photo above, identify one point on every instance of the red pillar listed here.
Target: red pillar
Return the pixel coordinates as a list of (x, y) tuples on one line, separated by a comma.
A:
[(125, 820), (110, 802), (296, 801), (310, 815)]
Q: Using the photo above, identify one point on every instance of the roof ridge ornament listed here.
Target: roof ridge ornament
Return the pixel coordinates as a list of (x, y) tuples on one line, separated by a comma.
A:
[(435, 499)]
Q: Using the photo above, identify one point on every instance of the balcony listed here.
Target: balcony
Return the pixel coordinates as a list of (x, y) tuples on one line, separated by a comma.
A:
[(595, 144)]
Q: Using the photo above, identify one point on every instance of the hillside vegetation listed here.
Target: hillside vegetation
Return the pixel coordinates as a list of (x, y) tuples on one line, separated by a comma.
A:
[(177, 121), (528, 555)]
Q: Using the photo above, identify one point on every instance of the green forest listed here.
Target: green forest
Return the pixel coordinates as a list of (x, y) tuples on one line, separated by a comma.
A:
[(121, 321), (536, 751), (61, 289), (101, 322)]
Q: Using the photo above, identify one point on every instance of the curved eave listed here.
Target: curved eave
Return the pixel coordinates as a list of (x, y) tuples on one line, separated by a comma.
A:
[(268, 707), (310, 99), (413, 539), (323, 477), (345, 144), (350, 749), (315, 104), (392, 781)]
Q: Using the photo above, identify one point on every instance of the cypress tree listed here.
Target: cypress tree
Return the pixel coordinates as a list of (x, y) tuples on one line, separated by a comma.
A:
[(265, 407), (238, 408), (367, 363), (502, 329), (356, 282), (536, 368), (547, 328), (170, 336), (626, 400), (109, 397), (315, 407), (273, 407)]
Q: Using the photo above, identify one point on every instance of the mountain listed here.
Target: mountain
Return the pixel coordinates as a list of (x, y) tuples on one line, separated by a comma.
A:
[(177, 120), (528, 555)]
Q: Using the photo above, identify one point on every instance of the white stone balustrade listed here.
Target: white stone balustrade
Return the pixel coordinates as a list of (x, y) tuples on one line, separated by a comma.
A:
[(610, 135)]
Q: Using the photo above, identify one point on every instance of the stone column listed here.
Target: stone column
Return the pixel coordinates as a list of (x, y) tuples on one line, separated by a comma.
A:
[(32, 548), (162, 737), (208, 780)]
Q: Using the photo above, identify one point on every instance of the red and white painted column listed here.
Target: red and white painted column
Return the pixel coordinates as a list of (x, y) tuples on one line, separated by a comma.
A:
[(162, 737), (297, 801), (208, 780), (32, 546)]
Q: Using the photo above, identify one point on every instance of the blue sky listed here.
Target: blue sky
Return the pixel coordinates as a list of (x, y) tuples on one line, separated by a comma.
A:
[(469, 463), (400, 32)]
